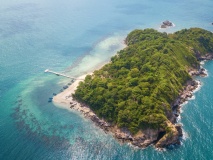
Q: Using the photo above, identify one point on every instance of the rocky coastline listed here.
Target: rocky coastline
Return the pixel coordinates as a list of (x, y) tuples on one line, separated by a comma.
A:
[(142, 139), (146, 137)]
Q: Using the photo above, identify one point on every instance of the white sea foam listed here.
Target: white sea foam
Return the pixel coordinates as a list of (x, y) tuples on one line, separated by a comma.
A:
[(206, 72), (160, 149), (183, 104), (179, 117), (198, 87), (202, 62), (185, 135), (193, 97)]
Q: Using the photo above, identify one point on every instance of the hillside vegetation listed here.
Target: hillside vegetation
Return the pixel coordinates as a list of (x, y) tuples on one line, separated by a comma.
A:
[(136, 89)]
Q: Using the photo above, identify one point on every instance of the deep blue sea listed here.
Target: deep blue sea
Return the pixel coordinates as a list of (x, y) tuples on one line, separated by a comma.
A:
[(74, 37)]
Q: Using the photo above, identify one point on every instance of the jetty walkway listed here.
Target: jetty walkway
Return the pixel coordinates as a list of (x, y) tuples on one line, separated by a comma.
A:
[(60, 74)]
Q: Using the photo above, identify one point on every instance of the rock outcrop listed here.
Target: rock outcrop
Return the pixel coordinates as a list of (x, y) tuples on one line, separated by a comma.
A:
[(160, 137), (200, 56), (172, 136), (185, 94), (166, 24)]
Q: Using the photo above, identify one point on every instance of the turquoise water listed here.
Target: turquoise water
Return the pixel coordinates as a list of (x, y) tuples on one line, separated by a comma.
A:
[(74, 37)]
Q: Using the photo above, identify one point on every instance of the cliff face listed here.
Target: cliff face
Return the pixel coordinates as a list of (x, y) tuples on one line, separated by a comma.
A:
[(159, 137), (149, 136), (170, 137), (142, 139)]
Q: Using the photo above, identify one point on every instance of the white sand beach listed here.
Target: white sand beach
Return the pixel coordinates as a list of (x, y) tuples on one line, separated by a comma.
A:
[(66, 101)]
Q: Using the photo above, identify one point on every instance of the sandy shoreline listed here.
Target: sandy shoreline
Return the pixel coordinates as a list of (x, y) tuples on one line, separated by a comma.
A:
[(65, 100)]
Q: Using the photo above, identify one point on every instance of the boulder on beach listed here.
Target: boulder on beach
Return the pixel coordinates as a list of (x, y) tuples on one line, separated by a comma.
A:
[(65, 87)]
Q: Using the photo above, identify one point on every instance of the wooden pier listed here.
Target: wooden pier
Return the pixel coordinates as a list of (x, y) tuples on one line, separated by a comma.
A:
[(60, 74)]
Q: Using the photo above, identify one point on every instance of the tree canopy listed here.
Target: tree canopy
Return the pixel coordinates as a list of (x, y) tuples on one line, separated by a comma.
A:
[(135, 90)]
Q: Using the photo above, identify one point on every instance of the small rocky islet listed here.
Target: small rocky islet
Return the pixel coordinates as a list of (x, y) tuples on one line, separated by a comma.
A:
[(166, 24)]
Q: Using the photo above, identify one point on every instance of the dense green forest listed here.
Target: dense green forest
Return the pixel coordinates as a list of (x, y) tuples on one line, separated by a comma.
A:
[(135, 90)]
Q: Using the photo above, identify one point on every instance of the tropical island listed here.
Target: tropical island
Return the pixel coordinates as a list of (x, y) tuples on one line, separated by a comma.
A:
[(137, 95)]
